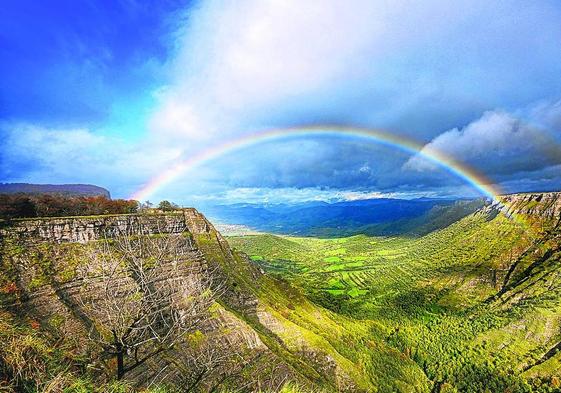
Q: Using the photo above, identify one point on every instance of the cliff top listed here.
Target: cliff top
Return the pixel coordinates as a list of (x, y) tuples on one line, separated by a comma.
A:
[(86, 228)]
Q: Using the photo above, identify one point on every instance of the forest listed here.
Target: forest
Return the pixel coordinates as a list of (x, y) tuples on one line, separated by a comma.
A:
[(44, 205)]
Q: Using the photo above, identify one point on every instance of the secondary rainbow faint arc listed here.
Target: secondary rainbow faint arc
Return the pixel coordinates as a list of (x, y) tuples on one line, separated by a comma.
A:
[(476, 179)]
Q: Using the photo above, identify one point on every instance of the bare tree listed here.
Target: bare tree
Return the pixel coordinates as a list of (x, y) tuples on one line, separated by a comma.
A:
[(146, 292), (209, 356)]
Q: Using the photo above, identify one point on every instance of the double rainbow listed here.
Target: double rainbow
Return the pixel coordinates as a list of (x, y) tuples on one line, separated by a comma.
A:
[(446, 162)]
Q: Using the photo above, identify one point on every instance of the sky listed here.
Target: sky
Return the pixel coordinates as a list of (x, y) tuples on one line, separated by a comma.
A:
[(114, 93)]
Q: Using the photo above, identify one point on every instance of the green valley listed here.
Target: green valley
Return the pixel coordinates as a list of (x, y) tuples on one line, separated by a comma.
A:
[(475, 305)]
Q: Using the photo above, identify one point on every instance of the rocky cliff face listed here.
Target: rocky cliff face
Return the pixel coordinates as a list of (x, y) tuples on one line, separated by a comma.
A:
[(545, 206), (533, 261), (85, 229), (47, 270)]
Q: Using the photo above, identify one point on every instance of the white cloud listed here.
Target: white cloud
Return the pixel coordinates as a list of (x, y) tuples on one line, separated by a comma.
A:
[(412, 66), (237, 60), (299, 195), (38, 154), (498, 143), (249, 64)]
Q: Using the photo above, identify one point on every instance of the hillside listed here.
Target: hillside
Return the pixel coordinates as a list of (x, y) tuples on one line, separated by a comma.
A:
[(476, 305), (54, 189)]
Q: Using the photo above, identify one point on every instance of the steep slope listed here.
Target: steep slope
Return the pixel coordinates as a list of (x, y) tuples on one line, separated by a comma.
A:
[(259, 333)]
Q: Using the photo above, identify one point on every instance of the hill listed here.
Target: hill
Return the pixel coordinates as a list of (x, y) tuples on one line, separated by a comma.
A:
[(54, 189), (383, 216)]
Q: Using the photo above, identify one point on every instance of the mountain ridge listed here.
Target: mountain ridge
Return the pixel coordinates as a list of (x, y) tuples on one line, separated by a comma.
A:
[(54, 189), (382, 216)]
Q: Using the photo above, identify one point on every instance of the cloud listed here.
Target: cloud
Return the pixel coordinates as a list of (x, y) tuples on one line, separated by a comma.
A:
[(544, 180), (414, 67), (301, 162), (546, 114), (498, 144), (55, 155), (297, 195), (236, 58), (330, 164)]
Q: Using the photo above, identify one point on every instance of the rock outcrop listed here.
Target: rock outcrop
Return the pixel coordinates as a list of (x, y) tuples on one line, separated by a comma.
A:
[(85, 229), (545, 206)]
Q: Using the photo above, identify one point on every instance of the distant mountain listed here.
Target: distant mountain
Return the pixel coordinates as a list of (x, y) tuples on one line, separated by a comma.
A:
[(383, 216), (54, 189)]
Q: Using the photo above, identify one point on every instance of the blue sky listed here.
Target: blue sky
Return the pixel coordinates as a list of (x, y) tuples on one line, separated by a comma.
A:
[(114, 92)]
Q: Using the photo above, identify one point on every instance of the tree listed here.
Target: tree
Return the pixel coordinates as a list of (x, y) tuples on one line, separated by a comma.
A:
[(18, 205), (45, 205), (145, 295), (167, 206)]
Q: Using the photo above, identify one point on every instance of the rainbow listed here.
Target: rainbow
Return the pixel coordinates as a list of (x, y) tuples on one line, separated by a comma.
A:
[(448, 163)]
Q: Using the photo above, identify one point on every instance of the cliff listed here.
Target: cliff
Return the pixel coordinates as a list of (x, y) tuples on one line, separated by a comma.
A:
[(546, 205), (85, 229), (53, 278)]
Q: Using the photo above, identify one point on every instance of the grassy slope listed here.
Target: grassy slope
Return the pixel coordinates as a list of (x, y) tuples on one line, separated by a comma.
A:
[(433, 296)]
